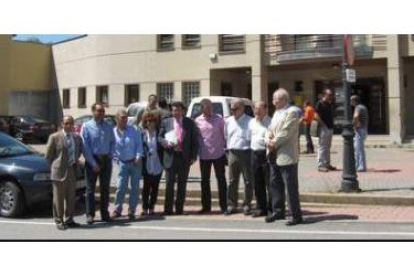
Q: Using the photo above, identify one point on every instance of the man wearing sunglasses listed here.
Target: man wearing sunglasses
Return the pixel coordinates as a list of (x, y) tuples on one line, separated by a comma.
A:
[(238, 144)]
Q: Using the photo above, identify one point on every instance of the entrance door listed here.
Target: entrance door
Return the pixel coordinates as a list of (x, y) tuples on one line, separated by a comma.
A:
[(372, 94)]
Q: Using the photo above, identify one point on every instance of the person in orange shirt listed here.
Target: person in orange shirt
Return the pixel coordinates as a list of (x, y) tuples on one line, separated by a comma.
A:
[(308, 116)]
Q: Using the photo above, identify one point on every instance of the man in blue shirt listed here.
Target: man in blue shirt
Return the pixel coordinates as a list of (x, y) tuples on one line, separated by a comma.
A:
[(128, 154), (98, 149)]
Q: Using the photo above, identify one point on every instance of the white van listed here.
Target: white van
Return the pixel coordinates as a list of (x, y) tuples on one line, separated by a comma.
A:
[(133, 110), (221, 106)]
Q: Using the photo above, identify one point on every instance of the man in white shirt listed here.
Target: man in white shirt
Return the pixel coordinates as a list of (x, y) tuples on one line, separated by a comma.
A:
[(238, 144), (258, 128)]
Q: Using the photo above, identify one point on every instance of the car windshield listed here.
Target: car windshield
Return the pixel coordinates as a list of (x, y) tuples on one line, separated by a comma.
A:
[(11, 147), (110, 120), (34, 120), (134, 110), (196, 111)]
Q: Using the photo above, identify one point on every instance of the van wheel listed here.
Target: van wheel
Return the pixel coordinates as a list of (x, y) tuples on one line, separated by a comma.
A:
[(11, 199)]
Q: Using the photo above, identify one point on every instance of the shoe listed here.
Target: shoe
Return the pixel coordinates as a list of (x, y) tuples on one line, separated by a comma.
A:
[(72, 224), (167, 213), (106, 218), (259, 213), (131, 217), (294, 222), (179, 213), (204, 211), (151, 212), (115, 215), (89, 219), (247, 211), (273, 217), (332, 168), (323, 169), (61, 226), (144, 213), (230, 211)]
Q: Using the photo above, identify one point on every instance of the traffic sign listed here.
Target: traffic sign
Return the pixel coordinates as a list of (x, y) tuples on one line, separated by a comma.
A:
[(350, 75)]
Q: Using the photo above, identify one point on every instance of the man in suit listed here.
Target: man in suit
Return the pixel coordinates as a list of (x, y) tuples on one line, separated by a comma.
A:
[(282, 142), (63, 151), (178, 136)]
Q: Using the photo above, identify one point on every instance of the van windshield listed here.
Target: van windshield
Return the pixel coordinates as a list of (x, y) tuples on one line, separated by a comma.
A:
[(196, 111)]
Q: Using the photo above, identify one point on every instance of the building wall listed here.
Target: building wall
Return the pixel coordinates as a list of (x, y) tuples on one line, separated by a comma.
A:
[(116, 60), (5, 41)]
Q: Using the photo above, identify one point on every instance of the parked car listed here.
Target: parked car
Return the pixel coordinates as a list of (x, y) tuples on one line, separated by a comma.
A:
[(26, 128), (134, 109), (25, 177), (4, 125), (83, 119), (221, 106)]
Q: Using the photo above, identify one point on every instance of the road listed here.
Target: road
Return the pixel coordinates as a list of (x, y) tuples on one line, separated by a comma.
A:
[(321, 222)]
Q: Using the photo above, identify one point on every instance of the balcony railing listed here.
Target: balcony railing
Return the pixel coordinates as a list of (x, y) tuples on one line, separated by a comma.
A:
[(294, 47)]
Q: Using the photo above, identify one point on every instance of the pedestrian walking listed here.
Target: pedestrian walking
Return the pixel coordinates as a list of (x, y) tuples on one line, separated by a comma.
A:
[(282, 139), (62, 152), (361, 132), (258, 127), (128, 155), (98, 148), (152, 162), (178, 136), (238, 138), (325, 113), (308, 116), (212, 144)]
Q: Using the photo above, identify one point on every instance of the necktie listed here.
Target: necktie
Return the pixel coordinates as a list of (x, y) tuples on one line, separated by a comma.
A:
[(71, 150), (178, 132)]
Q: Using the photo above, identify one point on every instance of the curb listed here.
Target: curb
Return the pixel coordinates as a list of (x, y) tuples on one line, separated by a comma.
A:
[(193, 197)]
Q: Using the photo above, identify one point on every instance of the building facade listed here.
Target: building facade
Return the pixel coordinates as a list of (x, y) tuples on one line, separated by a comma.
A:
[(120, 69), (27, 84)]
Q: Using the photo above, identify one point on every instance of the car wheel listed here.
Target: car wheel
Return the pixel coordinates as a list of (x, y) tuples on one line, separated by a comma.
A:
[(11, 199)]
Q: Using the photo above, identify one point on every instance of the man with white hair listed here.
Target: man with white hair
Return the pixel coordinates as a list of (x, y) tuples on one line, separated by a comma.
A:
[(282, 143)]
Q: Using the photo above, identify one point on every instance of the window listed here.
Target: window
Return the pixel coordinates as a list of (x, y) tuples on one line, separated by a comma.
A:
[(191, 40), (226, 89), (191, 90), (102, 95), (166, 91), (66, 98), (131, 94), (196, 110), (165, 42), (232, 43), (82, 97)]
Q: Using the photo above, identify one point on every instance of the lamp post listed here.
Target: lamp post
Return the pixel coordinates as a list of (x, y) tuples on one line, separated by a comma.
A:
[(349, 177)]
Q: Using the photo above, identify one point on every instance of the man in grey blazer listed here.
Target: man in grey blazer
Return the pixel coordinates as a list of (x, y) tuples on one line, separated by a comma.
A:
[(282, 142), (179, 138), (63, 151)]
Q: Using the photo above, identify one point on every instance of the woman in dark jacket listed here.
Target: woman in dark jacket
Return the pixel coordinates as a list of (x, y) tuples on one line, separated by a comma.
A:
[(152, 162)]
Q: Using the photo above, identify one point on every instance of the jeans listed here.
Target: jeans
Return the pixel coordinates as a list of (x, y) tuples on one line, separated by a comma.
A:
[(128, 172), (285, 178), (220, 171), (104, 181), (309, 143), (150, 191), (324, 150), (359, 139)]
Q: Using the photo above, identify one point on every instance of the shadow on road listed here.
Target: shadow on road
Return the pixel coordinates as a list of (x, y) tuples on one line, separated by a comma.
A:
[(336, 217)]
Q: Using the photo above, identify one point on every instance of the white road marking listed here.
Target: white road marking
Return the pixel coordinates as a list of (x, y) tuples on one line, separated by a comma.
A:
[(234, 230)]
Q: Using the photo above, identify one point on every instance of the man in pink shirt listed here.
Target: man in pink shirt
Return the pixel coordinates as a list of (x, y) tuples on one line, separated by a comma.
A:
[(212, 145)]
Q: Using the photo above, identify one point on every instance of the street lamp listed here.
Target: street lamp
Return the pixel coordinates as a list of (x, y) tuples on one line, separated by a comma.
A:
[(349, 182)]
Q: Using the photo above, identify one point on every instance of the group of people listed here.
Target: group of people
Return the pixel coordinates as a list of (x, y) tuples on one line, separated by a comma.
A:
[(262, 149)]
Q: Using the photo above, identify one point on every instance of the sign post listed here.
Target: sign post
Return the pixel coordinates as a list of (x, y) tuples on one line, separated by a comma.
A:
[(349, 182)]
